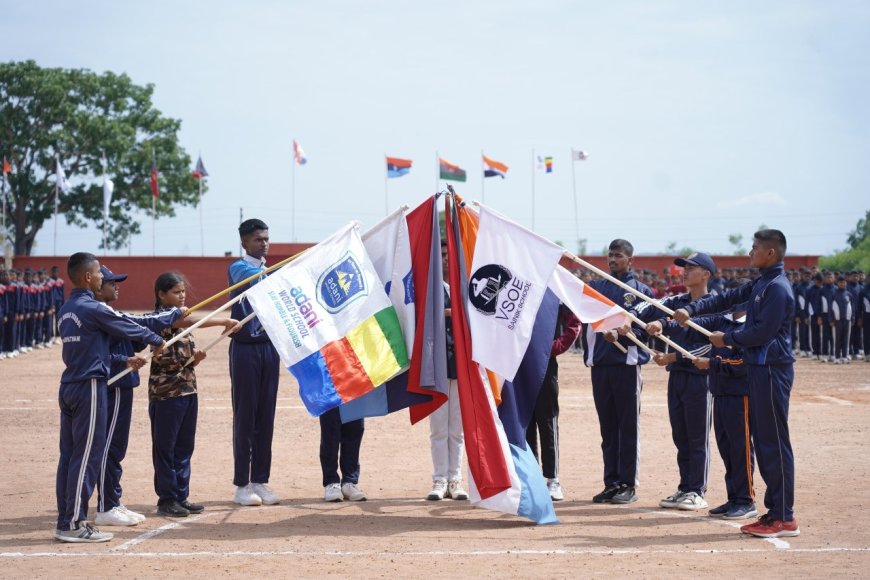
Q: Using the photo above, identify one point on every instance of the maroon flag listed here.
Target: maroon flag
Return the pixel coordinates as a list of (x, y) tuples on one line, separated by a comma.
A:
[(155, 177), (199, 172)]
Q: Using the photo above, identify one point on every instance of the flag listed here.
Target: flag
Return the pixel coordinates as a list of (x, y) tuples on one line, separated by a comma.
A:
[(331, 322), (449, 171), (503, 473), (589, 305), (60, 176), (108, 188), (545, 164), (494, 168), (509, 275), (155, 179), (398, 167), (7, 167), (199, 172), (579, 155), (299, 154)]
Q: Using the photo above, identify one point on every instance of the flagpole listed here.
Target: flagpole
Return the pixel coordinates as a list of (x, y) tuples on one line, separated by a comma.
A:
[(386, 191), (437, 170), (576, 214), (56, 194), (5, 233), (482, 178), (293, 197), (533, 189), (201, 229)]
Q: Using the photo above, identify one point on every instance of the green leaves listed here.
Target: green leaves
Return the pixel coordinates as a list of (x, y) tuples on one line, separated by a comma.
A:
[(79, 116)]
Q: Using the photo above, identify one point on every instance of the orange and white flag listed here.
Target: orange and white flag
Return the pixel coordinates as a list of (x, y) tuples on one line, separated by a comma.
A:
[(589, 305)]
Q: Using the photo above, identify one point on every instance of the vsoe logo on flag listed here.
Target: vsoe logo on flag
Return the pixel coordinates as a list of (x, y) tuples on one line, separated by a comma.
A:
[(341, 284), (494, 291)]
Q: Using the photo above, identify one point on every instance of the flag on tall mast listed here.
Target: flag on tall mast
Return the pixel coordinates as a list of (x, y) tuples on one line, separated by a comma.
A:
[(199, 172)]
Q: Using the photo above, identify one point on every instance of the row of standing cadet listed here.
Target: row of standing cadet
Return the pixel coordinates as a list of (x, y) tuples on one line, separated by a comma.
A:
[(28, 303)]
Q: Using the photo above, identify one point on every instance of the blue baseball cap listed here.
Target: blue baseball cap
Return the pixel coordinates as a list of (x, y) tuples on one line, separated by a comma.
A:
[(108, 276), (699, 259)]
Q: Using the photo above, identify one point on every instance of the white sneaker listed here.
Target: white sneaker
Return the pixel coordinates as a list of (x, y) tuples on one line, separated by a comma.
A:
[(691, 501), (672, 500), (135, 515), (246, 496), (332, 493), (115, 517), (456, 491), (85, 533), (439, 490), (352, 492), (555, 489), (266, 494)]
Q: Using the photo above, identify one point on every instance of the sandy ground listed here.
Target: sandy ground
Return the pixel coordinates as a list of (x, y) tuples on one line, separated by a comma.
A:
[(397, 532)]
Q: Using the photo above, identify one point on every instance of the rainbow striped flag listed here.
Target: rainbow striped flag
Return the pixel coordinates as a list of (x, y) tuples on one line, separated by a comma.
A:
[(331, 322)]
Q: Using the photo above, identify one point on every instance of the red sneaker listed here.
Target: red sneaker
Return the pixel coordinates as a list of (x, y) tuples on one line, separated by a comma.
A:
[(766, 527)]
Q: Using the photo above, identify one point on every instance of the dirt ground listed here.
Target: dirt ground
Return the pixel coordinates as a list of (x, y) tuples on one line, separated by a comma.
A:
[(399, 534)]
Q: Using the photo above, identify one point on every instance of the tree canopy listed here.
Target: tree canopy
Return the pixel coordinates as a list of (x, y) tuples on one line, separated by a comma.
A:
[(78, 117), (857, 255)]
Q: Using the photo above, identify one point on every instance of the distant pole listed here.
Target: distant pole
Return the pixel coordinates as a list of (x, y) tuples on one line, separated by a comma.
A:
[(437, 170), (292, 198), (386, 191), (533, 189), (56, 194), (153, 225), (241, 219), (576, 213), (201, 228), (482, 179)]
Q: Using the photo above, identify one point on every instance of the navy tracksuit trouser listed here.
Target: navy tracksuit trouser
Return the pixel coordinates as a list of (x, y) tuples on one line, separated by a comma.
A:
[(769, 391), (616, 391), (339, 447), (82, 439), (254, 368), (690, 412), (173, 434), (545, 420), (733, 438), (119, 404)]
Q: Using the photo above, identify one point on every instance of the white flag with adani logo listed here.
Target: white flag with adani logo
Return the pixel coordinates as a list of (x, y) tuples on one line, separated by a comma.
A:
[(509, 276)]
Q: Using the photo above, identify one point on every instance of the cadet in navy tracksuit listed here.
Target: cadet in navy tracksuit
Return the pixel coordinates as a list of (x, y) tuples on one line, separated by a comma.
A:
[(57, 297), (802, 317), (864, 319), (86, 326), (617, 382), (110, 510), (828, 289), (815, 305), (254, 367), (766, 342), (690, 405), (842, 314), (8, 345)]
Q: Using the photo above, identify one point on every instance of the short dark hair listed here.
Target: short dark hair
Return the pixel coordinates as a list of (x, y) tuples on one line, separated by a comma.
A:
[(78, 264), (250, 226), (772, 238), (841, 278), (624, 245), (165, 282)]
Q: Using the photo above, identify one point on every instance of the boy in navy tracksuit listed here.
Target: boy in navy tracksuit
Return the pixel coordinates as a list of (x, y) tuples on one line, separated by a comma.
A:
[(766, 342), (85, 328), (254, 368), (690, 405), (802, 313), (617, 382), (828, 289), (815, 305), (57, 297), (842, 314)]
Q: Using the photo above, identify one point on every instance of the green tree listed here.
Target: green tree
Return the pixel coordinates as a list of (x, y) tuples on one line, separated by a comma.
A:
[(736, 240), (857, 255), (861, 232), (79, 116)]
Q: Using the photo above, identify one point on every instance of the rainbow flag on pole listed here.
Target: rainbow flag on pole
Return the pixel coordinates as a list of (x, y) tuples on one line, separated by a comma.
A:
[(332, 322)]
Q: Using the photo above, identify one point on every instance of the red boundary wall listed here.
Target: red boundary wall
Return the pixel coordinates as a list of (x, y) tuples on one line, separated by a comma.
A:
[(208, 275)]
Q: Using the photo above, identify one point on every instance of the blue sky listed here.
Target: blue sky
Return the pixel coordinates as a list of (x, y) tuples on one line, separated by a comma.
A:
[(701, 118)]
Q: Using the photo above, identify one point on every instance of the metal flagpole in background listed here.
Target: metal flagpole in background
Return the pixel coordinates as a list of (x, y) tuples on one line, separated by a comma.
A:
[(293, 196), (534, 170), (3, 186), (482, 179), (576, 213), (201, 228), (386, 190), (56, 193)]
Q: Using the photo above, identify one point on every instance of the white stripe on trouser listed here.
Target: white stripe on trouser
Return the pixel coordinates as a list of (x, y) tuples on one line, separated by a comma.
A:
[(85, 456), (639, 390), (778, 441), (707, 440), (112, 423), (555, 421)]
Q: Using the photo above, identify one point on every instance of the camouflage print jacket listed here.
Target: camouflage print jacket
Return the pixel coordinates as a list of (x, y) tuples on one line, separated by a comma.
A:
[(169, 377)]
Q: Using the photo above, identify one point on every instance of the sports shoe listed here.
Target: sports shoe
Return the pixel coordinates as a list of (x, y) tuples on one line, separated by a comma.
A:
[(765, 527), (606, 495), (171, 509), (85, 533), (439, 490), (246, 496), (352, 492), (555, 489), (456, 491), (720, 511), (741, 512), (266, 494), (332, 492), (626, 494), (115, 517), (135, 515), (672, 500), (194, 508), (691, 501)]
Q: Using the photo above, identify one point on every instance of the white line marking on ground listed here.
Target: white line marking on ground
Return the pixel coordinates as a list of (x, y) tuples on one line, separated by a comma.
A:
[(836, 400), (780, 544), (158, 531)]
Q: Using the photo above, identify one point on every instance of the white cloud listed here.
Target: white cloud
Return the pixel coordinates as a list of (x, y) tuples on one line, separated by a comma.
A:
[(760, 198)]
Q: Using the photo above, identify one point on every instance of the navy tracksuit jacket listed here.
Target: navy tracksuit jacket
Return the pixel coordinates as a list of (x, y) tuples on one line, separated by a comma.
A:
[(766, 342), (86, 326), (842, 315)]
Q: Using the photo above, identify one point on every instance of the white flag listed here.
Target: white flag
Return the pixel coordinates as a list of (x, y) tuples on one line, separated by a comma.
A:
[(108, 188), (62, 182), (509, 275), (579, 155), (589, 305)]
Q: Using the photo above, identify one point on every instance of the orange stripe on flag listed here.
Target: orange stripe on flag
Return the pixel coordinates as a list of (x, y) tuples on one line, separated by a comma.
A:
[(346, 370), (495, 164)]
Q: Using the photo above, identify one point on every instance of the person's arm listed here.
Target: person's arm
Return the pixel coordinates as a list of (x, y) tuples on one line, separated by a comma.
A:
[(768, 319), (570, 331), (241, 270), (714, 303), (158, 321), (114, 324)]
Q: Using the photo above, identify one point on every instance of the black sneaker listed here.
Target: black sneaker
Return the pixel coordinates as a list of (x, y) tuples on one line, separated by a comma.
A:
[(626, 495), (718, 512), (194, 508), (172, 509), (606, 495)]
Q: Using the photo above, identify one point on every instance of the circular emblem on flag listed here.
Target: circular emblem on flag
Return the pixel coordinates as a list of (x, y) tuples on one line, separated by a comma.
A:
[(484, 286), (341, 284)]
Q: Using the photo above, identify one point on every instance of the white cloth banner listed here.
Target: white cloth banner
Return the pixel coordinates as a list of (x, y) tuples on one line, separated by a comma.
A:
[(590, 306), (509, 275)]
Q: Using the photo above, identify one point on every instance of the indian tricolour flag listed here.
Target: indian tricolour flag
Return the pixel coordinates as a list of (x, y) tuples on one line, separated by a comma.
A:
[(331, 322)]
